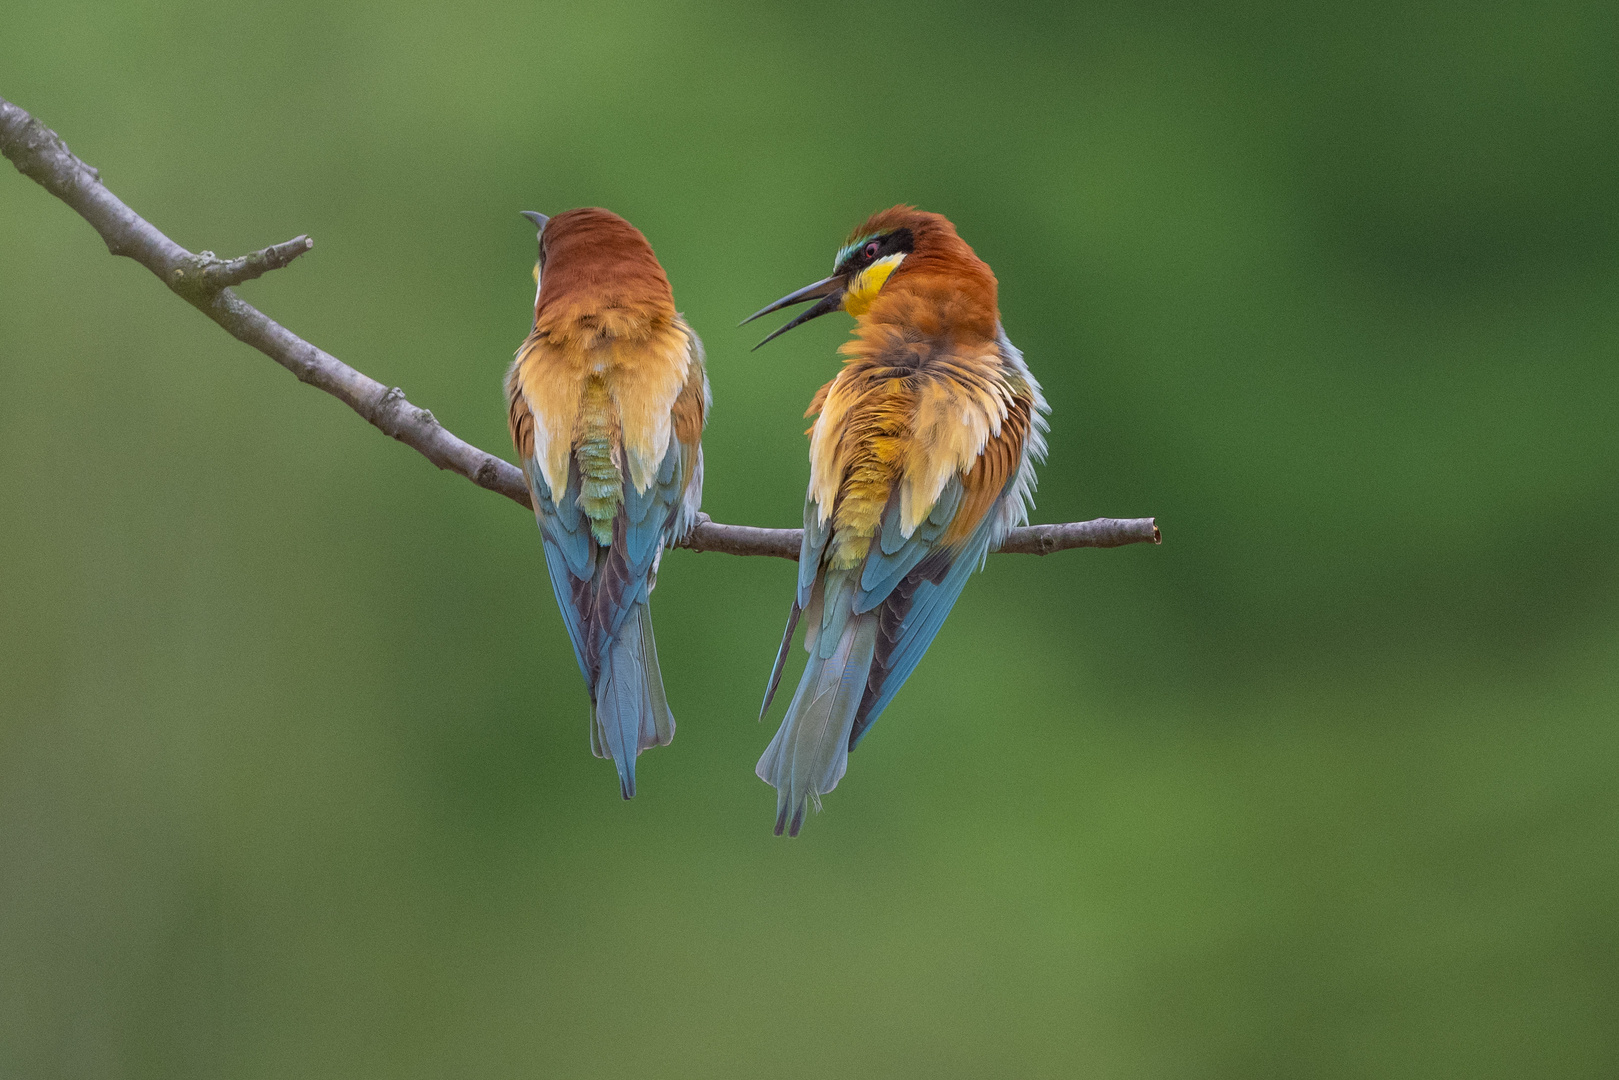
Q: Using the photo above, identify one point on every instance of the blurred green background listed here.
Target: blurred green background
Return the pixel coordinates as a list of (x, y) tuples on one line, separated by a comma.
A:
[(294, 775)]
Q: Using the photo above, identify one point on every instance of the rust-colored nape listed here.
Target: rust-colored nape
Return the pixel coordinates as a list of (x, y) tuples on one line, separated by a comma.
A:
[(599, 270)]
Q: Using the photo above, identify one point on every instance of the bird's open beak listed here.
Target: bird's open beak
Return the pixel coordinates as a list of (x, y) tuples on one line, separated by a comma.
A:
[(828, 290), (539, 220)]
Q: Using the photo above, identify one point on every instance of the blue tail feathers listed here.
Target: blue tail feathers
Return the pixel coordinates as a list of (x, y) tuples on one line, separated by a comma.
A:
[(810, 752), (629, 712)]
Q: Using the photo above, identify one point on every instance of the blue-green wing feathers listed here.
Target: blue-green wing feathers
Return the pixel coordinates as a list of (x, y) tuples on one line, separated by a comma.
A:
[(910, 617), (603, 594)]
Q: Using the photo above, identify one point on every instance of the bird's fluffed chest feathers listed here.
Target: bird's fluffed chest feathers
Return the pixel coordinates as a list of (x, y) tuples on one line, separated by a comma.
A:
[(922, 393)]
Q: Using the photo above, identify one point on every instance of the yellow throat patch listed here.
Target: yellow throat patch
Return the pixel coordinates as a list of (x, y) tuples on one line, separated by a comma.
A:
[(864, 286)]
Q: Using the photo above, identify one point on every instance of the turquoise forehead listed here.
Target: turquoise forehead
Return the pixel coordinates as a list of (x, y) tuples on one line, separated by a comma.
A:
[(850, 248)]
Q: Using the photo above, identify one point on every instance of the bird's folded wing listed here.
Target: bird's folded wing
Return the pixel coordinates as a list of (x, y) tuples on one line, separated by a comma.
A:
[(913, 582), (650, 518), (640, 529), (911, 616), (570, 557)]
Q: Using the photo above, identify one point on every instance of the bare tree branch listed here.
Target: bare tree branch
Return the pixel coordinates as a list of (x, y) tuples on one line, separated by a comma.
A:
[(1098, 532), (708, 535), (203, 280), (40, 154)]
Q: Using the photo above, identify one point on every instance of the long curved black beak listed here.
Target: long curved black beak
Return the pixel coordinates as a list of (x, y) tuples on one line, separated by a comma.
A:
[(830, 292), (538, 219)]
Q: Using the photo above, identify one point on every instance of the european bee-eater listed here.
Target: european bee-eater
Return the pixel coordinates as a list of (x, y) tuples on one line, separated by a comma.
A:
[(608, 398), (921, 458)]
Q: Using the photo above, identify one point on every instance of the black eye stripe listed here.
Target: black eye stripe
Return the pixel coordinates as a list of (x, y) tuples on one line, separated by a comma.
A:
[(900, 241)]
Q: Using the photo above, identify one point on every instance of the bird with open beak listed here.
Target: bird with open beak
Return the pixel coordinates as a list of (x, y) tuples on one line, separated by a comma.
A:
[(921, 458), (607, 401)]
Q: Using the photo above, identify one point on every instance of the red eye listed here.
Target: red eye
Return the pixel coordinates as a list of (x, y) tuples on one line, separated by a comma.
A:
[(871, 250)]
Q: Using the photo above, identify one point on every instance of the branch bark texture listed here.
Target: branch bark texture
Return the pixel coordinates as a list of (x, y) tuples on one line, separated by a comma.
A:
[(204, 280)]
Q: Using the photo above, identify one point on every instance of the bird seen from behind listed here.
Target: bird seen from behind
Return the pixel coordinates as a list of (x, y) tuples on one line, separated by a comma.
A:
[(921, 458), (607, 401)]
